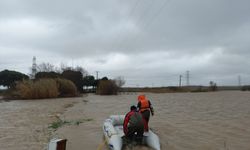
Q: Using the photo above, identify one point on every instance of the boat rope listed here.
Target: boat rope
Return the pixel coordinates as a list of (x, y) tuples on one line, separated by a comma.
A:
[(100, 147)]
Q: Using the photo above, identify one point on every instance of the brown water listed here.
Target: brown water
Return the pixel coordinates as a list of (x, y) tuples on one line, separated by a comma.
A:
[(183, 121)]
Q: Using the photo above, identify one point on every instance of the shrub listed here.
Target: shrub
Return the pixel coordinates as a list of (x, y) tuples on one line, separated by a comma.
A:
[(107, 87), (50, 75), (212, 86), (43, 88), (10, 94), (76, 77), (245, 88), (66, 88)]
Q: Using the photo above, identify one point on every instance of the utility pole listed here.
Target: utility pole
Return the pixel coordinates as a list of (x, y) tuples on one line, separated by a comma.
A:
[(239, 80), (97, 75), (187, 78), (34, 66), (180, 80)]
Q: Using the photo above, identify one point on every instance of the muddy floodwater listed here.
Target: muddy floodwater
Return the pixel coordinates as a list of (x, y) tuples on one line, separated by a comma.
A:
[(183, 121)]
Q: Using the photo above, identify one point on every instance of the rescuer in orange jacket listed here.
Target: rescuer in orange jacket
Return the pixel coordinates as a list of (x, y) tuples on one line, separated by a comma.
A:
[(144, 106), (133, 125)]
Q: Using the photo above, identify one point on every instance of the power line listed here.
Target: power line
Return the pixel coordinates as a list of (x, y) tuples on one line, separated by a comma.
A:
[(133, 9), (150, 20), (118, 36), (156, 14), (140, 19), (147, 10)]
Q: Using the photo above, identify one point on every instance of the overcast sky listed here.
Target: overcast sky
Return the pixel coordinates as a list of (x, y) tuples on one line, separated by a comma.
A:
[(148, 42)]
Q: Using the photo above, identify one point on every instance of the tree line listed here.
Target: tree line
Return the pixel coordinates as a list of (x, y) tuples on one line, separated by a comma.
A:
[(78, 75)]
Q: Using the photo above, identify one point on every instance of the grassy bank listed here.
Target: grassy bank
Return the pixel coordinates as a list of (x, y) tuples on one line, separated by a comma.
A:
[(172, 89)]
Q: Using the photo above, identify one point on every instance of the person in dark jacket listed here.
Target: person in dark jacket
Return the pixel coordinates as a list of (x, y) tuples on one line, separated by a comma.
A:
[(133, 125), (145, 107)]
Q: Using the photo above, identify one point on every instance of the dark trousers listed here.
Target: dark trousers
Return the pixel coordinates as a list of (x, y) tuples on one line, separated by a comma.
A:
[(146, 116), (135, 133)]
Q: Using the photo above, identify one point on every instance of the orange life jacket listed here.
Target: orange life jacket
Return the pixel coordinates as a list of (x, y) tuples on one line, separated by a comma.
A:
[(144, 104)]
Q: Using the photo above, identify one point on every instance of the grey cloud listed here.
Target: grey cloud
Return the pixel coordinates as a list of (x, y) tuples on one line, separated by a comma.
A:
[(159, 39)]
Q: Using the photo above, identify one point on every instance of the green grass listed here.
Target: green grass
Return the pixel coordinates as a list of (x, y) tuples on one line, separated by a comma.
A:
[(59, 123), (78, 122)]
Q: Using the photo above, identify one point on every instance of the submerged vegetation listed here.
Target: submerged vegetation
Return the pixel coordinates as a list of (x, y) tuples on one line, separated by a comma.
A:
[(59, 123)]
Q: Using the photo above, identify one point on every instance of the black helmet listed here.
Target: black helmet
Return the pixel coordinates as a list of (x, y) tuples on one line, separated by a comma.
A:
[(133, 107)]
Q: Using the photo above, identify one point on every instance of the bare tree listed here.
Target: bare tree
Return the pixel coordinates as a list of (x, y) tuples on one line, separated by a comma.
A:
[(77, 68), (82, 70), (65, 67), (119, 81), (45, 67)]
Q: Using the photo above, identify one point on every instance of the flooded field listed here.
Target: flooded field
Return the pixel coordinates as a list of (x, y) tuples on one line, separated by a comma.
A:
[(183, 121)]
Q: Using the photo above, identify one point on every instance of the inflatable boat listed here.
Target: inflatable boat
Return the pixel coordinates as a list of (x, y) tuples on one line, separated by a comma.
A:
[(113, 133)]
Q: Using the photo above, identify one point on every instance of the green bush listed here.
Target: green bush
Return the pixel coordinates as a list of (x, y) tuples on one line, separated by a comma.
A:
[(75, 76), (107, 87), (66, 88), (8, 78), (43, 88), (50, 75)]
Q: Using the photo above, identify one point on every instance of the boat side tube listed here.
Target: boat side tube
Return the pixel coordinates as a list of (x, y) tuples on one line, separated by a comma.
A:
[(152, 140), (112, 137)]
